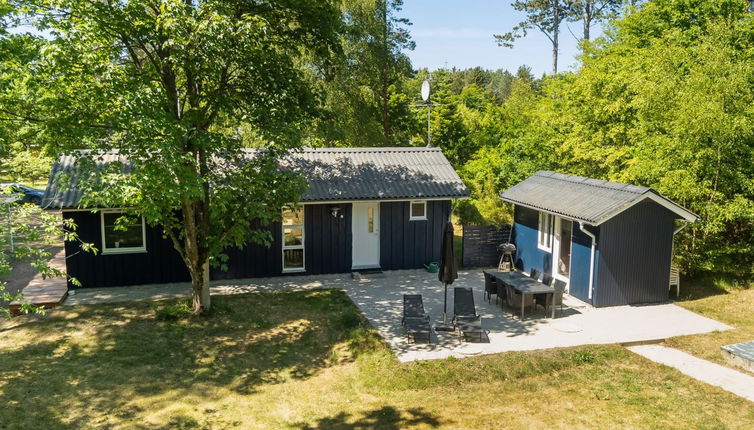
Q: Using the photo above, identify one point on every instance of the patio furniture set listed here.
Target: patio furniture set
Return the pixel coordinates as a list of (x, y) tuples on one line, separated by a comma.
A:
[(465, 319), (515, 289), (518, 291)]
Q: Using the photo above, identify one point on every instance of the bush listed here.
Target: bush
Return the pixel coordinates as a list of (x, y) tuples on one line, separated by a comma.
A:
[(172, 312)]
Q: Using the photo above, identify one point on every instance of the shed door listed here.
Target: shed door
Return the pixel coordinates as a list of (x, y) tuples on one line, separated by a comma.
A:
[(561, 249), (366, 235)]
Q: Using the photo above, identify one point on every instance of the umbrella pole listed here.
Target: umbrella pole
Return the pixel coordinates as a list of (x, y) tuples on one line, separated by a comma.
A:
[(445, 305)]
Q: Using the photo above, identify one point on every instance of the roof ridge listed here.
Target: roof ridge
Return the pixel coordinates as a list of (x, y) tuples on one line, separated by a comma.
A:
[(373, 149), (582, 180)]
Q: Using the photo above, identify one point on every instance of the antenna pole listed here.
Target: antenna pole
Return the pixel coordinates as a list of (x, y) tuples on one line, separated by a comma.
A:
[(429, 117)]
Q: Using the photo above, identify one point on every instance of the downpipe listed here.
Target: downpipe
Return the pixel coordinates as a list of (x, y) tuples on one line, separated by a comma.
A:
[(591, 258)]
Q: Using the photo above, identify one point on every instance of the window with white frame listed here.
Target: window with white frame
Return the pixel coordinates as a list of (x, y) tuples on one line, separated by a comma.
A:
[(418, 211), (545, 232), (293, 239), (122, 233)]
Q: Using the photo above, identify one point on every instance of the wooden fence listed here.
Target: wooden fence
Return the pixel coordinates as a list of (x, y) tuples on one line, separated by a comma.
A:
[(480, 244)]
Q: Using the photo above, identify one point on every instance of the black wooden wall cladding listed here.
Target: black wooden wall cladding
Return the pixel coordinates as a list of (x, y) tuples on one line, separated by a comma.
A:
[(160, 264), (408, 244), (634, 256), (254, 260), (327, 238)]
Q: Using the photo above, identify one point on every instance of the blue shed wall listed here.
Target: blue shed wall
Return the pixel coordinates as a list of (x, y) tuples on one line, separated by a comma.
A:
[(525, 230), (581, 250), (528, 255)]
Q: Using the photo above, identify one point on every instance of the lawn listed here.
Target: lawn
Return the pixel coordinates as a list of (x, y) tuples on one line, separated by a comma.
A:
[(308, 360), (722, 300)]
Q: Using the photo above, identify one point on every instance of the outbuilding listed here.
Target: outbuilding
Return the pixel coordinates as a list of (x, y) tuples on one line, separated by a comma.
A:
[(611, 243), (365, 209)]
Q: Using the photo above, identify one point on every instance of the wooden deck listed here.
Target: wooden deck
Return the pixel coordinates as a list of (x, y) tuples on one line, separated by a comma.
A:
[(45, 293)]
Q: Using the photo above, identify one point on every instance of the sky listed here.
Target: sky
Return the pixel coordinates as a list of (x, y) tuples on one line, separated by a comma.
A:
[(459, 33)]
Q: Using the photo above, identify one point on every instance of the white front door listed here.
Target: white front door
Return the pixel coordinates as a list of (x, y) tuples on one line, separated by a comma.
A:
[(365, 224), (561, 249)]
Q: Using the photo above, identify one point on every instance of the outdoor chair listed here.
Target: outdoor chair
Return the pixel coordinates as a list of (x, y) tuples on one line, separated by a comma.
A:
[(560, 287), (514, 298), (415, 320), (465, 318), (534, 273), (541, 299), (675, 279), (547, 279), (501, 291), (490, 286)]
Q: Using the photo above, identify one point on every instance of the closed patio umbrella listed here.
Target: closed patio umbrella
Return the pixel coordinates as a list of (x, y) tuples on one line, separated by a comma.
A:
[(448, 271)]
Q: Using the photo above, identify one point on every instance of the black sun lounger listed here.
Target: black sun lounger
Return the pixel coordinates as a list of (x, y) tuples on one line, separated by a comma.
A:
[(415, 320), (465, 318)]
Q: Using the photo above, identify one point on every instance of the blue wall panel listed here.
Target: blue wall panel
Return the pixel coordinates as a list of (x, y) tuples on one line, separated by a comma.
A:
[(580, 260), (525, 230)]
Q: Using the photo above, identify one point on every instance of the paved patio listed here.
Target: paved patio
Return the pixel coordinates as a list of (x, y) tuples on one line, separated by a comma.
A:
[(380, 298)]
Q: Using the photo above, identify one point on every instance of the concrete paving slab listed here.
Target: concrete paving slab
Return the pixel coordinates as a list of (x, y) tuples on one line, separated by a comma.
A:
[(579, 324), (737, 383)]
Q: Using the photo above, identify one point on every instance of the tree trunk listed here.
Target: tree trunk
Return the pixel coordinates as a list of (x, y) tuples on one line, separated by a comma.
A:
[(587, 23), (200, 298), (555, 34)]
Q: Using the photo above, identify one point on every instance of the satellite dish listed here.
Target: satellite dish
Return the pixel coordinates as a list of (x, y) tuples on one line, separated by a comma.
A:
[(425, 90)]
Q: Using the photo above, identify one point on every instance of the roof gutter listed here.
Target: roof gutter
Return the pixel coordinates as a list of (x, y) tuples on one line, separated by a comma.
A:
[(684, 225), (591, 258)]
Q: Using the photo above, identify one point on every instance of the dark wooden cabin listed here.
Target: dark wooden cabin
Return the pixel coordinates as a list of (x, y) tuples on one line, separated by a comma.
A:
[(365, 208)]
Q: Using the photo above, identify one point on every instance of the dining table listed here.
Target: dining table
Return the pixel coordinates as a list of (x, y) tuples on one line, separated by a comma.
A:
[(526, 285)]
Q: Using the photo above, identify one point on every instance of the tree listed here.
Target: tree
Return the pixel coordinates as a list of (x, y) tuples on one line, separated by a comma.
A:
[(26, 164), (26, 233), (592, 11), (361, 92), (162, 82), (664, 100), (543, 15)]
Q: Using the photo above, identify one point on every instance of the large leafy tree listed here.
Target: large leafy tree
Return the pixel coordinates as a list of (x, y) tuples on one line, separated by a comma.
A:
[(166, 83), (364, 98), (665, 99)]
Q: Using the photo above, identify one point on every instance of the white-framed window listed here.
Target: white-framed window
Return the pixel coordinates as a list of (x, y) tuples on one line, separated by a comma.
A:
[(418, 210), (121, 233), (293, 239), (544, 241)]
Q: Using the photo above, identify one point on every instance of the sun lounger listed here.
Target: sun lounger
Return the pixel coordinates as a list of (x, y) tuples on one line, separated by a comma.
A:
[(465, 318)]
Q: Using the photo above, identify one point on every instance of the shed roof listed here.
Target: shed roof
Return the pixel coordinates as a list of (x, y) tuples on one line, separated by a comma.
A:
[(333, 174), (592, 201)]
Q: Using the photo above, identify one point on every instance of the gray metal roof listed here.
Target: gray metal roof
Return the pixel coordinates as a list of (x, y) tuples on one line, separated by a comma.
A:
[(592, 201), (333, 174)]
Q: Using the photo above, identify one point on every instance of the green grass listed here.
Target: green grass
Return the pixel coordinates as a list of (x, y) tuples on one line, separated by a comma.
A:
[(308, 359), (725, 300)]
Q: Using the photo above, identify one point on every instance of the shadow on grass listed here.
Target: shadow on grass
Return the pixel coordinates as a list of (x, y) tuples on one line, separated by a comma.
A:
[(708, 286), (386, 418), (97, 360)]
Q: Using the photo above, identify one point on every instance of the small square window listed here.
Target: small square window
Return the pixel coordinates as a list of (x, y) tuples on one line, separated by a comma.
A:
[(122, 233), (418, 211)]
